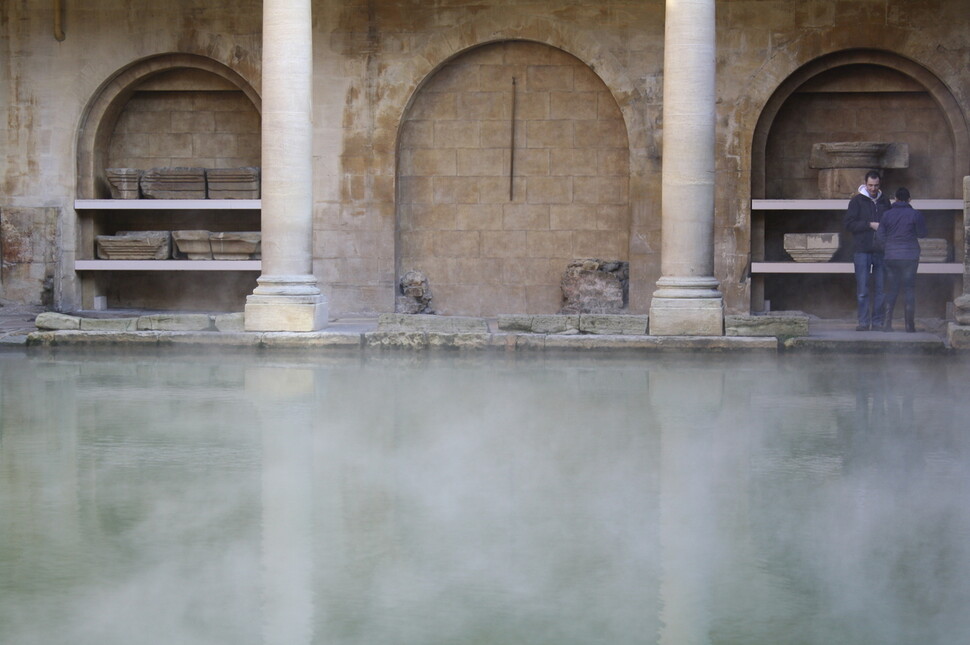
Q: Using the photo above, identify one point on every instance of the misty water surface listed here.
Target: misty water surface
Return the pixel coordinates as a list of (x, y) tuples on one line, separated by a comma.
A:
[(404, 499)]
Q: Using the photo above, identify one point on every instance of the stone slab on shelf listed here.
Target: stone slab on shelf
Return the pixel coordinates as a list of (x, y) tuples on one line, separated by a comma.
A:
[(235, 245), (811, 247), (174, 183), (233, 183), (134, 245), (934, 249), (124, 183), (193, 244)]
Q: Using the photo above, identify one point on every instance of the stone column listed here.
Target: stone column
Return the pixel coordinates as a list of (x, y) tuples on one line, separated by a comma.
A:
[(958, 332), (687, 301), (287, 297)]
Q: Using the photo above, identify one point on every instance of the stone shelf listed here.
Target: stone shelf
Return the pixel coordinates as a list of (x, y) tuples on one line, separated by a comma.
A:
[(842, 204), (168, 204), (935, 268), (169, 265)]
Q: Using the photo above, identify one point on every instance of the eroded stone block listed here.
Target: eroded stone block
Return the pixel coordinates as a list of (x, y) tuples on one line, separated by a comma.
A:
[(594, 286), (811, 247), (124, 183), (175, 322), (555, 324), (134, 245), (431, 323), (958, 336), (108, 324), (933, 249), (55, 320), (192, 244), (235, 245), (174, 183), (233, 183), (778, 326), (514, 322)]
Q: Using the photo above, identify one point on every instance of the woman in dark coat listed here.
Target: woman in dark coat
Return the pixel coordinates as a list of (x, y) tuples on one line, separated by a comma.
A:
[(899, 230)]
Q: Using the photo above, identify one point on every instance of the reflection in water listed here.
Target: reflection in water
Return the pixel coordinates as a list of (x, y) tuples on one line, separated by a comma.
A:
[(472, 499)]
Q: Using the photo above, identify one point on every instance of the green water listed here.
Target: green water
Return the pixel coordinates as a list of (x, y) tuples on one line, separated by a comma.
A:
[(450, 499)]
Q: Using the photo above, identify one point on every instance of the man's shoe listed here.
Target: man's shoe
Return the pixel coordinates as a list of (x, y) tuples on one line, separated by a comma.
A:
[(862, 328)]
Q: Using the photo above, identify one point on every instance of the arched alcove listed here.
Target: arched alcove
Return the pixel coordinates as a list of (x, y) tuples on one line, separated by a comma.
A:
[(513, 159), (167, 110), (172, 110), (855, 95), (861, 95)]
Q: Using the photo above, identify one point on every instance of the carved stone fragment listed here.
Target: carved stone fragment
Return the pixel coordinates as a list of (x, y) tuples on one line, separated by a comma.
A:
[(124, 182), (235, 245), (811, 247), (174, 183), (843, 164), (233, 183), (933, 249), (192, 244), (134, 245)]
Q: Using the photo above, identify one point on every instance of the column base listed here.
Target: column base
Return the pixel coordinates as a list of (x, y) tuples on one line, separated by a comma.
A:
[(686, 317), (286, 313)]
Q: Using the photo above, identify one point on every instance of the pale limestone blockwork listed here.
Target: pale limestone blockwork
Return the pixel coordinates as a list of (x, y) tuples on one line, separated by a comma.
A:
[(468, 154)]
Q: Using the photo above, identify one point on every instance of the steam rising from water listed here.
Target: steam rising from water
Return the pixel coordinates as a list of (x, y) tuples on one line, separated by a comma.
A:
[(404, 499)]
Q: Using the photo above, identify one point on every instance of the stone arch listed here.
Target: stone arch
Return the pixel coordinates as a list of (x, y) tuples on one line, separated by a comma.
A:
[(921, 77), (101, 115), (493, 232)]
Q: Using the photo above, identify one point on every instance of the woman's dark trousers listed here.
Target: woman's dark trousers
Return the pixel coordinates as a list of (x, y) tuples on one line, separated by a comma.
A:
[(901, 273)]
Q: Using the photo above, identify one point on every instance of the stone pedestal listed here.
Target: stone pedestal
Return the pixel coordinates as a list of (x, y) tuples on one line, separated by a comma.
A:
[(687, 307), (286, 313)]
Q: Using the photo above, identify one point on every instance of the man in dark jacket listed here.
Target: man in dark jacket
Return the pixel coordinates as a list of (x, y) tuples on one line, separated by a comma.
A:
[(862, 220)]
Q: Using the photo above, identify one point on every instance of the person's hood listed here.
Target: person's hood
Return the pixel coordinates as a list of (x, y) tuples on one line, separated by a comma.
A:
[(863, 191)]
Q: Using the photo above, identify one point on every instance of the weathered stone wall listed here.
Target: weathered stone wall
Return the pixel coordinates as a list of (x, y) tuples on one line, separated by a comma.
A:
[(27, 255), (186, 119), (374, 60), (491, 223)]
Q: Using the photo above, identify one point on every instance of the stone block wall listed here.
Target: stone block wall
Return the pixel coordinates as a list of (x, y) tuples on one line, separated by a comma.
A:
[(374, 66), (194, 127), (493, 223)]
